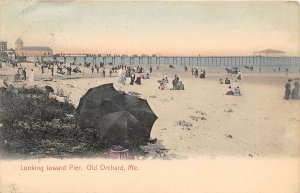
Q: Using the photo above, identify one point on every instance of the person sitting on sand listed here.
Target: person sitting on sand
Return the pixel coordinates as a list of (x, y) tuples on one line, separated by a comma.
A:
[(166, 80), (180, 86), (202, 74), (147, 76), (229, 92), (237, 91), (162, 86), (287, 90), (295, 91), (220, 81), (227, 81)]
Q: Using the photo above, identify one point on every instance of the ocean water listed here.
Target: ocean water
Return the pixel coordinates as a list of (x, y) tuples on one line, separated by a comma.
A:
[(263, 63)]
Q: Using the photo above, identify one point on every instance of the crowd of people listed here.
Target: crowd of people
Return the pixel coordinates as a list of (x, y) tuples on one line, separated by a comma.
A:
[(195, 73), (235, 92), (176, 83), (136, 74)]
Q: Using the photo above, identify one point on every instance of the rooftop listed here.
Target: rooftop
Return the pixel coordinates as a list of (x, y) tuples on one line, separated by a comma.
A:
[(37, 48), (270, 51)]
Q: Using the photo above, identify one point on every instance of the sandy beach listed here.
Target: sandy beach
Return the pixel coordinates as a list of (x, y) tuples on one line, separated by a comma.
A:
[(259, 123)]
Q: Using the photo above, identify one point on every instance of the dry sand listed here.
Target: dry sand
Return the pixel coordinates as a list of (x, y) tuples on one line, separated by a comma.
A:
[(257, 124)]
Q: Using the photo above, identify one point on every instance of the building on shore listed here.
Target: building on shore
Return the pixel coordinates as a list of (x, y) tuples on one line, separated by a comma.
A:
[(270, 53), (31, 51), (3, 50)]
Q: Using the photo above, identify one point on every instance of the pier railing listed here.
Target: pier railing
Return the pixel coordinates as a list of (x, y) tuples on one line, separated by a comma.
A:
[(212, 61)]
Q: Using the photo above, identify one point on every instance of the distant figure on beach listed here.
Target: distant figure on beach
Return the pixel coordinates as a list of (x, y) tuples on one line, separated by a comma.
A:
[(138, 79), (157, 68), (147, 76), (229, 92), (92, 68), (69, 70), (220, 81), (97, 69), (110, 72), (103, 72), (227, 81), (120, 72), (180, 86), (196, 73), (295, 91), (287, 90), (193, 69), (166, 80), (162, 86), (132, 78), (202, 74), (150, 69), (52, 70), (175, 82), (31, 78), (122, 79), (127, 72), (237, 91), (24, 73), (239, 76)]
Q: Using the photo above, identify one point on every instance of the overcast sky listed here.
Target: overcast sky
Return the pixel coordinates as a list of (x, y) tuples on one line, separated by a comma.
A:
[(164, 28)]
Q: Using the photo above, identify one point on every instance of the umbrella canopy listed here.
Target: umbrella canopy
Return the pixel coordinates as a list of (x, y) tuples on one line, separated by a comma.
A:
[(111, 112), (49, 88), (95, 103), (119, 128)]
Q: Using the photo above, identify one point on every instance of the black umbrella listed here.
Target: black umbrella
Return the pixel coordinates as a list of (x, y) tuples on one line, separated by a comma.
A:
[(99, 104), (137, 107), (120, 128), (96, 103), (49, 88)]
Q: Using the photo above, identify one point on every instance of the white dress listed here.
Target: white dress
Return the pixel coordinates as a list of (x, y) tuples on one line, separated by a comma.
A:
[(31, 78)]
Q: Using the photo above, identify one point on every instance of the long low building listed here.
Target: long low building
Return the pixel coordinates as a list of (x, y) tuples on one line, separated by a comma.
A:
[(31, 51)]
